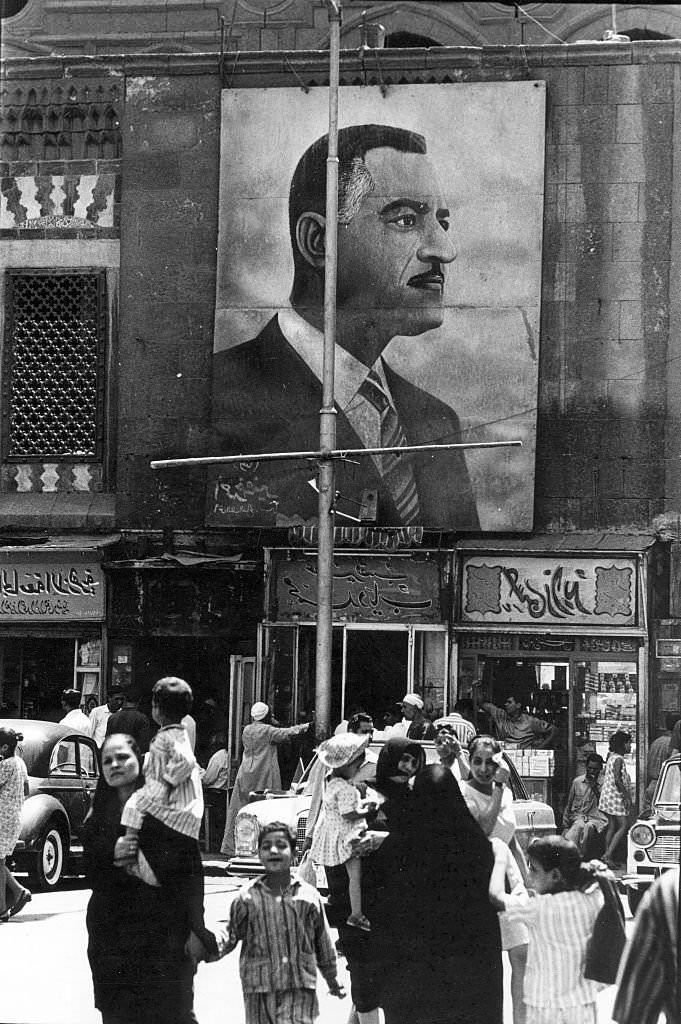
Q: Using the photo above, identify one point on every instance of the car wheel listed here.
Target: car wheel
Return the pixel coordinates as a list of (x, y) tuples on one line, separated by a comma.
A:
[(48, 866), (634, 897)]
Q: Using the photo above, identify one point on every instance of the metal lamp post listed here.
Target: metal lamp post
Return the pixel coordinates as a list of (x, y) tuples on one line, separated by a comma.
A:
[(327, 419)]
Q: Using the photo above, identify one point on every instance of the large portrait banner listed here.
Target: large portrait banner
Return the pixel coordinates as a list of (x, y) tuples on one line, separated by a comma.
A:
[(441, 194)]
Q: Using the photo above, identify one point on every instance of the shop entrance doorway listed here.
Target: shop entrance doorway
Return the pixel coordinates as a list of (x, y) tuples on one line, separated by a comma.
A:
[(33, 674), (371, 668), (543, 688), (376, 671)]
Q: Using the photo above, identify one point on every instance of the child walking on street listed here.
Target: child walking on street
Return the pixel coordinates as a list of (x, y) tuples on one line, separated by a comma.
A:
[(285, 938), (560, 920), (164, 816), (343, 816)]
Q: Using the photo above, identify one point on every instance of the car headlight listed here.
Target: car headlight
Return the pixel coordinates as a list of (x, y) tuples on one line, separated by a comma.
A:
[(246, 835), (642, 835)]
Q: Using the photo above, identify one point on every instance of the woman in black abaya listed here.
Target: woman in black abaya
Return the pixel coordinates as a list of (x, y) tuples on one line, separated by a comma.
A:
[(435, 933)]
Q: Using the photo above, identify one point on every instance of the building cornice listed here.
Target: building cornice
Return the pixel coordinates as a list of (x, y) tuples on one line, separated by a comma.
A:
[(309, 68)]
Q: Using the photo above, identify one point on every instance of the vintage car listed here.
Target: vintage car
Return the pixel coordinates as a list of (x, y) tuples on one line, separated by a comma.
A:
[(533, 817), (653, 843), (63, 769)]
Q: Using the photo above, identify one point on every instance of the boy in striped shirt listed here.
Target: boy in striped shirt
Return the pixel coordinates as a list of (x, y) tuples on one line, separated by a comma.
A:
[(165, 814), (284, 937)]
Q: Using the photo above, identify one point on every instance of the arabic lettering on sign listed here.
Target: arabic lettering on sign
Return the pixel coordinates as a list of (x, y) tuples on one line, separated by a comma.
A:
[(364, 589), (40, 608), (538, 590), (74, 582), (49, 591)]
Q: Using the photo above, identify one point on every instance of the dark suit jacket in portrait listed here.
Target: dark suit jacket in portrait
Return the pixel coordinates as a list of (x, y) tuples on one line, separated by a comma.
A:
[(266, 399)]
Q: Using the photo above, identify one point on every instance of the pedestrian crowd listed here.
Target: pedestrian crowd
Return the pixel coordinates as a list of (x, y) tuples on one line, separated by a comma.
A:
[(427, 884)]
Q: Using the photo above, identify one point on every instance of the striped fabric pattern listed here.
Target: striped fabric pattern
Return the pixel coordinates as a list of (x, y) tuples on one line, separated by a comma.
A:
[(396, 471), (284, 938), (647, 977), (172, 791), (559, 925)]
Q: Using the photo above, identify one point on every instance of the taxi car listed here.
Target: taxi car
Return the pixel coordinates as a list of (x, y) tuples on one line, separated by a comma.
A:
[(653, 843), (63, 768), (533, 818)]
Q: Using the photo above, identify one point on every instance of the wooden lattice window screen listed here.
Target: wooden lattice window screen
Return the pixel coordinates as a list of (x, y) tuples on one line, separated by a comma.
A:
[(53, 367)]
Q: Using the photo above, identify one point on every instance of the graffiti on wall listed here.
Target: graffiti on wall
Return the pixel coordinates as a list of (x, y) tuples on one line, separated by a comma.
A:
[(438, 298)]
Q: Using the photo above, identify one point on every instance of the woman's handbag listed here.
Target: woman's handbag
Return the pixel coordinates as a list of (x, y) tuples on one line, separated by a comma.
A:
[(604, 948), (306, 870)]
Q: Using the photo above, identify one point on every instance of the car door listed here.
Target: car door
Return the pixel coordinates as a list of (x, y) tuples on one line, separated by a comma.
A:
[(63, 781), (88, 772)]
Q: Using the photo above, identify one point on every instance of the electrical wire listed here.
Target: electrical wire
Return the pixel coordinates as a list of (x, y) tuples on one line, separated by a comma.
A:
[(525, 14)]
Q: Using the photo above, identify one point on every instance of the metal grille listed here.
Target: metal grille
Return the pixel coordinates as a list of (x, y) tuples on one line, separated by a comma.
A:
[(665, 850), (53, 402), (300, 834)]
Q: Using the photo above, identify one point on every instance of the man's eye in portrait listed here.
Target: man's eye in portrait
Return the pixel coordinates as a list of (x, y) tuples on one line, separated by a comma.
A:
[(404, 220)]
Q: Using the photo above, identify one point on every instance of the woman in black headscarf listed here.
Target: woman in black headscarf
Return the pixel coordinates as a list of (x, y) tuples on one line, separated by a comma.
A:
[(398, 761), (434, 930)]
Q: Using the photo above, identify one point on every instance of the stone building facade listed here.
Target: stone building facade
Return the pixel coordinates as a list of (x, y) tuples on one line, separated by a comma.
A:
[(110, 166)]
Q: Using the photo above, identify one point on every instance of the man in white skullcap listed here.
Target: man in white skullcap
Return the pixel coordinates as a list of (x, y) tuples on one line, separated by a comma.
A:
[(259, 768), (415, 725)]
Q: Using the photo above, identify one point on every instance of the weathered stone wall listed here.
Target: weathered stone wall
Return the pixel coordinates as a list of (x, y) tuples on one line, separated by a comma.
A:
[(168, 246), (609, 411)]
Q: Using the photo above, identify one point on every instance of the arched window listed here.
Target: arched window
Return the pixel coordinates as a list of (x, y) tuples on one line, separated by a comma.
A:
[(8, 8), (408, 40)]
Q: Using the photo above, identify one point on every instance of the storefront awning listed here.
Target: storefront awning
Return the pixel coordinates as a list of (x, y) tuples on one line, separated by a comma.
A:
[(573, 543), (184, 560), (52, 545)]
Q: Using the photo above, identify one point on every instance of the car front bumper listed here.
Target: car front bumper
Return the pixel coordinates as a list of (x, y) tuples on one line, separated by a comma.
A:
[(247, 866)]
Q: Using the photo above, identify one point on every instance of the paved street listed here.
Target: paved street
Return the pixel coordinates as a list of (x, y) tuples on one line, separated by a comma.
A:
[(46, 978)]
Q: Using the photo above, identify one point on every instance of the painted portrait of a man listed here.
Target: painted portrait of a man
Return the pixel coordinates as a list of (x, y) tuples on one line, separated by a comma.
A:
[(396, 249)]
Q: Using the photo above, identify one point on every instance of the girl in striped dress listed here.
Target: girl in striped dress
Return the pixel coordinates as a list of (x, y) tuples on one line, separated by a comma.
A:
[(559, 919)]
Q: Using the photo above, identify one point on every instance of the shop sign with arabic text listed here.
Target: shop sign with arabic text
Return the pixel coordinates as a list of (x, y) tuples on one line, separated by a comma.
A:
[(51, 591), (365, 589), (572, 591)]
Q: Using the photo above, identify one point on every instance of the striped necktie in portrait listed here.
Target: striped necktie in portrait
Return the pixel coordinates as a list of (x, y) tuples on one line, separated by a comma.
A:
[(395, 471)]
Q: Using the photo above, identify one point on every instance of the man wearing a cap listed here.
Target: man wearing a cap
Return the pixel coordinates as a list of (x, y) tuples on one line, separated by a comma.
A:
[(414, 725), (259, 768)]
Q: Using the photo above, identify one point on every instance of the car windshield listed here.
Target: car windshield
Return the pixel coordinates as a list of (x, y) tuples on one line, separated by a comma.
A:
[(670, 788)]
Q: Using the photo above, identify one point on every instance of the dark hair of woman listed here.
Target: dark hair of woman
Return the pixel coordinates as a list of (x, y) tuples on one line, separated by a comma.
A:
[(486, 741), (11, 738), (618, 741)]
